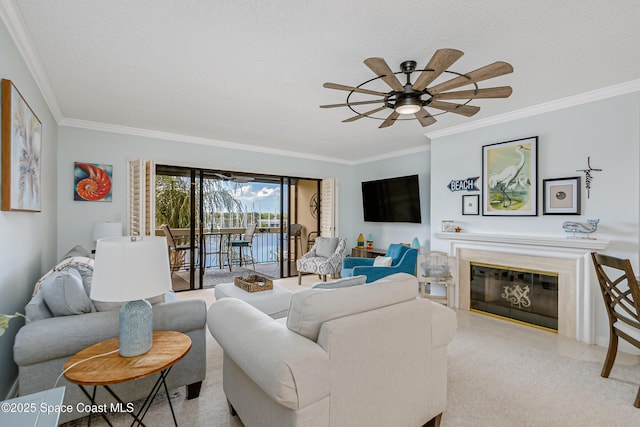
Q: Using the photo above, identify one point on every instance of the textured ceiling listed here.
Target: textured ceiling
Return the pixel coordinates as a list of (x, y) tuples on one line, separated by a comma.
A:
[(251, 72)]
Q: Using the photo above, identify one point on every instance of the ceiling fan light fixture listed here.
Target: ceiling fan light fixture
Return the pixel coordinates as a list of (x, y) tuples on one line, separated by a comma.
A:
[(407, 105)]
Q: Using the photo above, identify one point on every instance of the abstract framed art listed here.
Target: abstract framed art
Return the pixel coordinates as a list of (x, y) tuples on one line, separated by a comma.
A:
[(21, 151), (509, 178), (561, 196)]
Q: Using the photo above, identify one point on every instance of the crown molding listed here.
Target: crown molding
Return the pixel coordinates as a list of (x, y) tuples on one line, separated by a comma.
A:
[(386, 156), (559, 104), (168, 136), (16, 27)]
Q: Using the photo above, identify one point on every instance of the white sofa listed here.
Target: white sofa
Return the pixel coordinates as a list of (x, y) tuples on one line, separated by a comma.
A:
[(371, 355)]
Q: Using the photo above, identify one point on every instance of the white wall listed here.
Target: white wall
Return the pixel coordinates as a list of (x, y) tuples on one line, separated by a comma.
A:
[(76, 218), (27, 240), (386, 233), (607, 130)]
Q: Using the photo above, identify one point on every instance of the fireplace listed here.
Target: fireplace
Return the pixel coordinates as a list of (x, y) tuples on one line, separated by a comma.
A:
[(528, 296), (567, 259)]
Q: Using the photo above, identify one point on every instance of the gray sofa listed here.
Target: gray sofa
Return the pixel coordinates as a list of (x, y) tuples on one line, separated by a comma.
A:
[(47, 341)]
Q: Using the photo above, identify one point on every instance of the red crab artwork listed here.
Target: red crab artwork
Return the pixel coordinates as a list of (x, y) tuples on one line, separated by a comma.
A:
[(92, 182)]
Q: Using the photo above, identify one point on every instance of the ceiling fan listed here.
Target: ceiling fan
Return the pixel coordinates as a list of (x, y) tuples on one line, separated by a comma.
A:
[(412, 98), (228, 176)]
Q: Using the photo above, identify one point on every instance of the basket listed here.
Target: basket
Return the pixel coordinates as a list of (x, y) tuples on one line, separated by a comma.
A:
[(253, 283)]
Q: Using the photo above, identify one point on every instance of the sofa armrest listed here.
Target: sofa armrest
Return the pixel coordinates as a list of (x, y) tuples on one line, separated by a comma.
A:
[(351, 262), (290, 369), (444, 323), (63, 336)]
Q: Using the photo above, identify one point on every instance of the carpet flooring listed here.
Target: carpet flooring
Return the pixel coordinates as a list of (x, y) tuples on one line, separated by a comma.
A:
[(500, 374)]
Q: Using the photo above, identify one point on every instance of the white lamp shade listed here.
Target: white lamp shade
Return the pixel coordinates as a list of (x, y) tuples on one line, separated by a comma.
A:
[(130, 268), (106, 229)]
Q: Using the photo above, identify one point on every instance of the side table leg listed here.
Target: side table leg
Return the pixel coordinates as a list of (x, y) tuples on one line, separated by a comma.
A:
[(92, 399)]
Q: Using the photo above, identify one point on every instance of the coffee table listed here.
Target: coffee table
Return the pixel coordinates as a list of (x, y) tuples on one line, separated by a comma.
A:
[(274, 302), (102, 365)]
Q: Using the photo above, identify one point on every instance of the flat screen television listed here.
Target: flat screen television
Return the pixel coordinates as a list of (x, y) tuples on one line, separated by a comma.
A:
[(392, 200)]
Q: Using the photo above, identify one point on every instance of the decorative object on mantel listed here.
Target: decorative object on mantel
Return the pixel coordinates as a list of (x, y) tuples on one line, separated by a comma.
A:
[(580, 227), (509, 178), (471, 204), (457, 229), (410, 100), (447, 226), (587, 176), (21, 153), (467, 184), (561, 196)]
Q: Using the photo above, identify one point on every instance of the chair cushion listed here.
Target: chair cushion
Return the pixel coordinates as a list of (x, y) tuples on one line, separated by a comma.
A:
[(326, 246), (310, 308), (64, 293), (382, 261), (345, 282)]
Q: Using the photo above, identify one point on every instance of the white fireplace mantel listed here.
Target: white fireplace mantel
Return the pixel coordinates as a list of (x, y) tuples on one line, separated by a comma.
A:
[(567, 256), (518, 239)]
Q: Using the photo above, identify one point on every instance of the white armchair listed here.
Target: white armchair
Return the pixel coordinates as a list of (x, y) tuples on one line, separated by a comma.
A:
[(325, 257), (371, 355)]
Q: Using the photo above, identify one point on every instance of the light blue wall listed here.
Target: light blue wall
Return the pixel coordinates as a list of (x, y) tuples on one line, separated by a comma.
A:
[(607, 130), (76, 218), (386, 233), (28, 240)]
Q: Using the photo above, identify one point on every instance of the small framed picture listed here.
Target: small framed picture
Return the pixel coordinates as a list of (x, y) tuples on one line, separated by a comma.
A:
[(561, 196), (471, 204)]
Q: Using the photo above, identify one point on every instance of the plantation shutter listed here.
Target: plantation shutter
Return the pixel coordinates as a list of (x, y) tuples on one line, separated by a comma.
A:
[(142, 204), (328, 208)]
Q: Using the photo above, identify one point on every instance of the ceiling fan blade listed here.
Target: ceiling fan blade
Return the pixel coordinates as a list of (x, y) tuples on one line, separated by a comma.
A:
[(380, 67), (491, 92), (487, 72), (377, 101), (359, 116), (465, 110), (440, 61), (425, 118), (389, 120), (354, 89)]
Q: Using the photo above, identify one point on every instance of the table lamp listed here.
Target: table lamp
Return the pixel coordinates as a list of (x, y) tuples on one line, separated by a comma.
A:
[(131, 269)]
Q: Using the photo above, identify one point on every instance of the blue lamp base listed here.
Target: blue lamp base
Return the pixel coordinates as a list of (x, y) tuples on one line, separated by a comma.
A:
[(136, 328)]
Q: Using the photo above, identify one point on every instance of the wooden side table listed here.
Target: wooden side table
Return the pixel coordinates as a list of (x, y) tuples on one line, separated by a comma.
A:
[(102, 365)]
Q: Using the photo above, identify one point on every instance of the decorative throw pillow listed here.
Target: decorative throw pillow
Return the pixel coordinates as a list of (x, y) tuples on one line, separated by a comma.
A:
[(345, 282), (84, 265), (326, 246), (64, 293), (382, 261)]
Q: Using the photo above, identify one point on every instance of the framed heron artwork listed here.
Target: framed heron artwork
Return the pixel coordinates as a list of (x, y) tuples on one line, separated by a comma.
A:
[(21, 151), (509, 178)]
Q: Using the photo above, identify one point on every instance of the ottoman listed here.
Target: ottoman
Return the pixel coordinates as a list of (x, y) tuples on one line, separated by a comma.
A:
[(274, 302)]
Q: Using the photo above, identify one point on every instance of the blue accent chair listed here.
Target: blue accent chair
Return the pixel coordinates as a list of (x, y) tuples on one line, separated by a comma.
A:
[(403, 258)]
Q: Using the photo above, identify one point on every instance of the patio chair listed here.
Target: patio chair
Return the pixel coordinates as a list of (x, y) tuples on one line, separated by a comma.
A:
[(177, 252), (246, 241), (621, 295)]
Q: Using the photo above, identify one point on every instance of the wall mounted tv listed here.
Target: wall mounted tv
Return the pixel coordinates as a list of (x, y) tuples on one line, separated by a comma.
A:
[(392, 200)]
